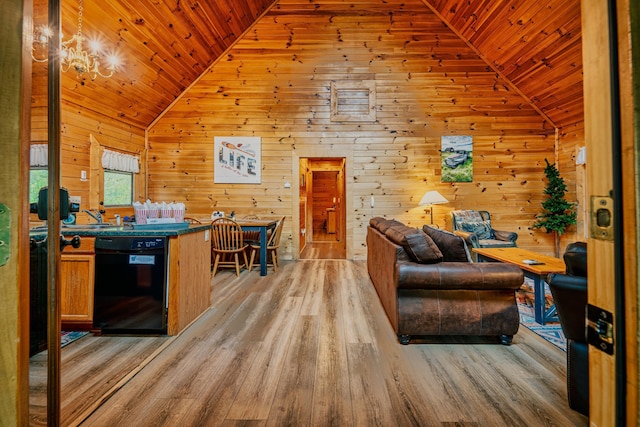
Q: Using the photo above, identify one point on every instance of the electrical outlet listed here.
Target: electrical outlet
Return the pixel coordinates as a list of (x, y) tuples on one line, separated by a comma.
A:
[(74, 199)]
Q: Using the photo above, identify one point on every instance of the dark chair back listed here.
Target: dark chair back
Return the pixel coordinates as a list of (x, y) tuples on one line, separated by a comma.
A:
[(570, 292), (575, 258), (570, 298)]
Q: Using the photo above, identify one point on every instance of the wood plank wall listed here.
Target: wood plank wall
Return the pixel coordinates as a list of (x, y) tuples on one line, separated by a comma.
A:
[(275, 83), (571, 139), (78, 124)]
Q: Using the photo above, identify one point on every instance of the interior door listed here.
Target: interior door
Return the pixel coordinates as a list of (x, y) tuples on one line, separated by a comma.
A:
[(609, 132)]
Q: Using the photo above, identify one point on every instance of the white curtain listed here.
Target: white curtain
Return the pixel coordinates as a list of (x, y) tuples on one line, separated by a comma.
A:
[(39, 155), (120, 162)]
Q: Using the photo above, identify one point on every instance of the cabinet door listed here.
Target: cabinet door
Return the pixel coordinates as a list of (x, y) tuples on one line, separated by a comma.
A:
[(331, 221), (76, 289)]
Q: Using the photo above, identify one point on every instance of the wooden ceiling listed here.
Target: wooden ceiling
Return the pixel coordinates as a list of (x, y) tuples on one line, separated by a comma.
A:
[(534, 44), (165, 45)]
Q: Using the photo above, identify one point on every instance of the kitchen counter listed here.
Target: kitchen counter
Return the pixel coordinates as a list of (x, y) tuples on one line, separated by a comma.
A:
[(123, 230), (188, 272)]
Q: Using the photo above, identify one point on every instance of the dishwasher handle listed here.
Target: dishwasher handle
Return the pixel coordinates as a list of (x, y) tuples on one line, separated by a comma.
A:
[(75, 242)]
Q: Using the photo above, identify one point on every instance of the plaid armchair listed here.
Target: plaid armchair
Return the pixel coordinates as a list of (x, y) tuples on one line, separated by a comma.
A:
[(475, 228)]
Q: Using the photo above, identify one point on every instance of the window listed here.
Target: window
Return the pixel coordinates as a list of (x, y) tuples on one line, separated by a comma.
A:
[(119, 170), (38, 174), (118, 188), (38, 178)]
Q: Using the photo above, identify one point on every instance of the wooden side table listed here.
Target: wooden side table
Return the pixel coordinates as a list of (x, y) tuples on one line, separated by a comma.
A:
[(536, 272)]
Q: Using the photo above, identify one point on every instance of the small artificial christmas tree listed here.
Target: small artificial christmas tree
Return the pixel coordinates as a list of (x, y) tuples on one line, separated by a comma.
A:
[(558, 212)]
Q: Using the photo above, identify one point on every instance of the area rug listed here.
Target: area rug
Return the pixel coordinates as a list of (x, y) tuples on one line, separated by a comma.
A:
[(69, 337), (550, 331)]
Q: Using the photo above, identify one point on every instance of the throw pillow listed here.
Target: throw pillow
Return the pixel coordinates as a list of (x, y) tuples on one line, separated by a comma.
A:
[(480, 228), (453, 248), (467, 216), (416, 243)]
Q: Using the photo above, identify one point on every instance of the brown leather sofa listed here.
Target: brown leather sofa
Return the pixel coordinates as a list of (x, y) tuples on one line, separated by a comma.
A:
[(428, 285)]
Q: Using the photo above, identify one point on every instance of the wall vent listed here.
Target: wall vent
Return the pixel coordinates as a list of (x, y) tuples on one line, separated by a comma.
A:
[(353, 101)]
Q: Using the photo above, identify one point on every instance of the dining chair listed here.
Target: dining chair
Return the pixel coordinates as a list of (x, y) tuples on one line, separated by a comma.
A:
[(272, 247), (251, 236), (227, 241)]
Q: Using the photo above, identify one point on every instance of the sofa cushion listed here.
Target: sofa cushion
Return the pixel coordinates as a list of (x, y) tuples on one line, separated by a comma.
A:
[(480, 228), (383, 226), (416, 243), (453, 248), (375, 221)]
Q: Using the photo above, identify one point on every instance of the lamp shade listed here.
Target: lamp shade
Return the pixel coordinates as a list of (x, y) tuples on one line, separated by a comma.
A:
[(432, 198)]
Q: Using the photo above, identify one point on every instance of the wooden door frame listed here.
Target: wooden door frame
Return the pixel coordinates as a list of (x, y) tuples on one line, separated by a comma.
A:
[(312, 152), (16, 22), (628, 21), (610, 139)]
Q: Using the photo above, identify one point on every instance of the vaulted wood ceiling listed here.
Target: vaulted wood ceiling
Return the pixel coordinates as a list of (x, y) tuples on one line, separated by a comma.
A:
[(535, 44), (165, 45)]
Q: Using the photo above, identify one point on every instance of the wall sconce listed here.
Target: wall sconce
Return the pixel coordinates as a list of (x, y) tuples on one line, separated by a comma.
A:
[(431, 198)]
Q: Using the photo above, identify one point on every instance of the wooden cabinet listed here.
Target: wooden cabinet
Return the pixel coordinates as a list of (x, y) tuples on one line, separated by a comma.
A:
[(332, 223), (189, 279), (77, 267)]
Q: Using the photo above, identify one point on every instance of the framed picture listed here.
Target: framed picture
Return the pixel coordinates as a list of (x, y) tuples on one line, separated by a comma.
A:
[(237, 160), (457, 158)]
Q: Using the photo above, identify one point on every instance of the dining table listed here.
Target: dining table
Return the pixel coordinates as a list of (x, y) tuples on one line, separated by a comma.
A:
[(262, 226)]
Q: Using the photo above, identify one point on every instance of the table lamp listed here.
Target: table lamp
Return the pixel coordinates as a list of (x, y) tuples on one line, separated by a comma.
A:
[(431, 198)]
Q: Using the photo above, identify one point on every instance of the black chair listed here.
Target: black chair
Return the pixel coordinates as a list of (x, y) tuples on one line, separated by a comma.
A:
[(570, 297)]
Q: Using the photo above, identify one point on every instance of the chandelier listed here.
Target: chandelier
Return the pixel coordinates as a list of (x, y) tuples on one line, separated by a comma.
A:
[(73, 56)]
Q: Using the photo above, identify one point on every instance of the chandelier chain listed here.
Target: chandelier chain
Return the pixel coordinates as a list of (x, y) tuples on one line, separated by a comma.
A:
[(80, 18)]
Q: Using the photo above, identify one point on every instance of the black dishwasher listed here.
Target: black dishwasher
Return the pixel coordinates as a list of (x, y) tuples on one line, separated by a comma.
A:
[(131, 285)]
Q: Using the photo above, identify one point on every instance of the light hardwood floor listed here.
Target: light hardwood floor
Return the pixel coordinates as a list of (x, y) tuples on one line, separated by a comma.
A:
[(324, 246), (311, 346), (91, 369)]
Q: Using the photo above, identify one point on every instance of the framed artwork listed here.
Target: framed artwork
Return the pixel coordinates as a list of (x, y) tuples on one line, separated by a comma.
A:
[(237, 160), (457, 158)]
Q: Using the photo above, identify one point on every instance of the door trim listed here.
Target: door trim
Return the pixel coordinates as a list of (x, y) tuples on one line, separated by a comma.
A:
[(311, 152)]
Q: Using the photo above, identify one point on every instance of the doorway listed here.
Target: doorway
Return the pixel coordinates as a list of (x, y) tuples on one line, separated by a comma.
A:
[(322, 208)]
